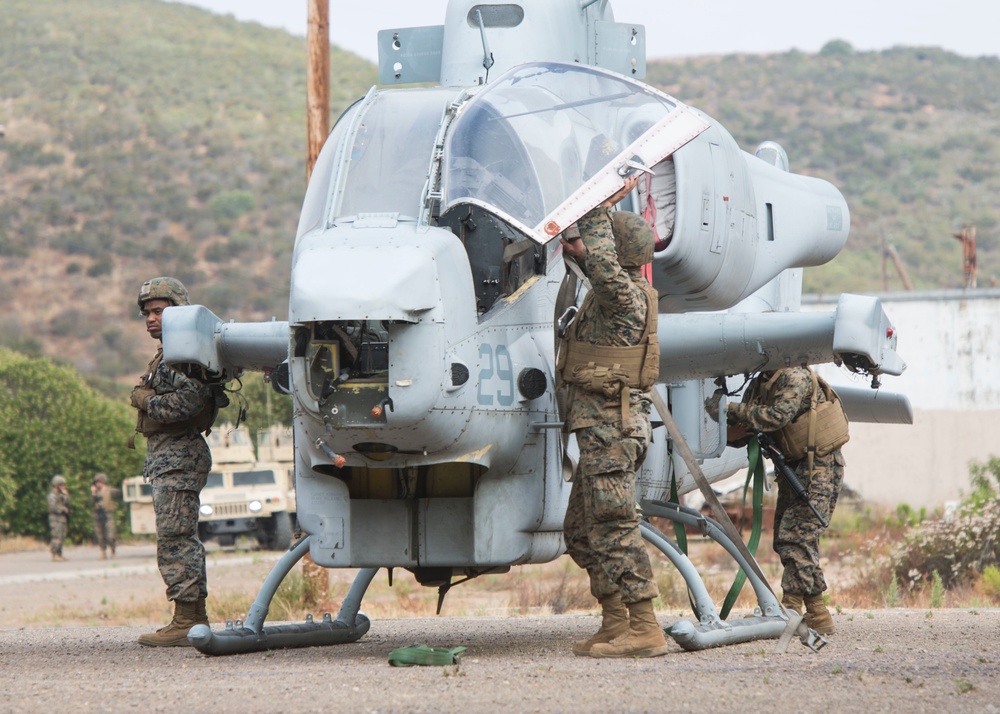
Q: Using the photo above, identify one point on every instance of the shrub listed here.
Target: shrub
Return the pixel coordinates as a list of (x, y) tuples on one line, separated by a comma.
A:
[(947, 553), (985, 480), (52, 422), (991, 582), (230, 205)]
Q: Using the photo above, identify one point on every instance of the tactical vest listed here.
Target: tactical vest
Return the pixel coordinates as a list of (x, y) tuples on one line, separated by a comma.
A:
[(819, 431), (147, 426), (610, 370), (105, 500)]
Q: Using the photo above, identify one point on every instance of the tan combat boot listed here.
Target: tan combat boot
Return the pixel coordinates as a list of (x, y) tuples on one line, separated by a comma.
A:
[(817, 616), (174, 634), (794, 602), (104, 554), (614, 623), (200, 612), (643, 639)]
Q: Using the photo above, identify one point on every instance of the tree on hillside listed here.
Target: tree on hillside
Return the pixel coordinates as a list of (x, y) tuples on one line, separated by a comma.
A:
[(264, 406), (51, 422)]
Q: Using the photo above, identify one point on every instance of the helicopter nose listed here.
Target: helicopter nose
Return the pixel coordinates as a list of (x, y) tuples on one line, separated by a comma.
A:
[(381, 278)]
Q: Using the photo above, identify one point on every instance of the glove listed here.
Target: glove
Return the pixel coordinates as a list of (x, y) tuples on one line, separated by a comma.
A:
[(139, 397), (712, 405)]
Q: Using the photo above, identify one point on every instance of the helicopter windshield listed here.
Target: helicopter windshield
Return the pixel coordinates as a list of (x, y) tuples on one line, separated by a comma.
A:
[(386, 166), (535, 137)]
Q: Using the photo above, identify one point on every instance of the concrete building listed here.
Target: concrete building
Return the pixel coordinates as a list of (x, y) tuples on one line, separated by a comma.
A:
[(950, 341)]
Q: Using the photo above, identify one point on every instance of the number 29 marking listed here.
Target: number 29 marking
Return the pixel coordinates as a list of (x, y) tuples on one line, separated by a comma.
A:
[(496, 378)]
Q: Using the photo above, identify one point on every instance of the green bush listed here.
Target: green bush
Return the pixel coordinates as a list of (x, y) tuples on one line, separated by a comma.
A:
[(264, 406), (230, 205), (956, 551), (991, 581), (52, 422), (985, 480), (24, 154)]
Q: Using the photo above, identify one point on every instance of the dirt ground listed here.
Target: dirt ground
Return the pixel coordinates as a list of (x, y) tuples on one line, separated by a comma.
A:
[(880, 660)]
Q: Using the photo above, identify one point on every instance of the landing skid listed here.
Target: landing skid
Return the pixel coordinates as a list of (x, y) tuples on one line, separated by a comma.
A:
[(769, 620), (251, 635)]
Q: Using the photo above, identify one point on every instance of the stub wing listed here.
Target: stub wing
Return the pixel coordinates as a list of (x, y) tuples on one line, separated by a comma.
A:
[(705, 345)]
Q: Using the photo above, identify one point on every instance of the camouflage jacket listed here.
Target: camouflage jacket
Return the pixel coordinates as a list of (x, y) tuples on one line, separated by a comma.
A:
[(58, 503), (178, 397), (106, 499), (616, 317), (790, 397)]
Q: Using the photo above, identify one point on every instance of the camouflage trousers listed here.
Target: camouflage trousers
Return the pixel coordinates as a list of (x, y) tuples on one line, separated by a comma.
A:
[(601, 527), (58, 529), (796, 529), (104, 529), (180, 556)]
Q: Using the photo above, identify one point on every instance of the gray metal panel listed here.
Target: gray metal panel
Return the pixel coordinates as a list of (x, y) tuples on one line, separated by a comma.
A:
[(383, 526), (410, 54), (447, 531), (862, 404), (621, 47), (193, 333)]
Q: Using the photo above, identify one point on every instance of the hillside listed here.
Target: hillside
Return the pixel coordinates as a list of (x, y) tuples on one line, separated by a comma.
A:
[(146, 138), (911, 136)]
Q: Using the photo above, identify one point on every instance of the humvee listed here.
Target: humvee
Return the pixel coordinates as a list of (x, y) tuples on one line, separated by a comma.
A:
[(246, 493)]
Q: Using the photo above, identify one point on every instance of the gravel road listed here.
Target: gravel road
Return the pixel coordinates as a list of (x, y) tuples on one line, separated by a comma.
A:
[(882, 660)]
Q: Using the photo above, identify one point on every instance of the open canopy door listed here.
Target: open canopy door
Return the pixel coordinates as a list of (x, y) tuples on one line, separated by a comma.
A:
[(546, 142)]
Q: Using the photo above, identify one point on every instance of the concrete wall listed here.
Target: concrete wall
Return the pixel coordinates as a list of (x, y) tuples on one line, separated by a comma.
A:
[(950, 341)]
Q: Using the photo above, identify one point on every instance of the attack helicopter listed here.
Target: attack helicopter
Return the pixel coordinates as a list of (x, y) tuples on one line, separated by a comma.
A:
[(428, 284)]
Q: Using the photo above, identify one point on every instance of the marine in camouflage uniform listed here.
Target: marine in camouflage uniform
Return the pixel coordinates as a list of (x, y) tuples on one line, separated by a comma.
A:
[(57, 502), (104, 499), (173, 403), (601, 527), (796, 529)]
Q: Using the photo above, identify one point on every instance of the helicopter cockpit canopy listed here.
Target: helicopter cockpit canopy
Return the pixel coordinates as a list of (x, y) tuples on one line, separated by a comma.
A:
[(540, 143), (376, 159)]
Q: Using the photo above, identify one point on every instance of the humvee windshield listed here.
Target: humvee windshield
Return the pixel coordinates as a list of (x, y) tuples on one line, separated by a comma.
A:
[(253, 478)]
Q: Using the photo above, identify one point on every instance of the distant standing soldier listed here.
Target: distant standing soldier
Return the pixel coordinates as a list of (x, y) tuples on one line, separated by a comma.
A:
[(104, 499), (175, 405), (58, 505)]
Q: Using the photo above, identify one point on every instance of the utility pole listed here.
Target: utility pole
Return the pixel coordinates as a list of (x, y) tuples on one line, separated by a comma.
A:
[(315, 578), (317, 81), (889, 251), (968, 238)]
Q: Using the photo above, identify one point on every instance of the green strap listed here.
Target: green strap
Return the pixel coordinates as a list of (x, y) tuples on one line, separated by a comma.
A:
[(679, 533), (755, 472), (422, 654)]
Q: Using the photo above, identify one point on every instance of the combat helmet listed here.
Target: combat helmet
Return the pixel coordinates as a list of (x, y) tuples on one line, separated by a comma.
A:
[(164, 288), (100, 477), (58, 480), (634, 239)]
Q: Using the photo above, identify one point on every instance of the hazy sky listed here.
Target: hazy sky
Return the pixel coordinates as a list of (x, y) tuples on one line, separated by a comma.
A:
[(676, 28)]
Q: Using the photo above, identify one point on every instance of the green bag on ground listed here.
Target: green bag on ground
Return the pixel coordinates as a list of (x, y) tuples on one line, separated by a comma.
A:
[(422, 654)]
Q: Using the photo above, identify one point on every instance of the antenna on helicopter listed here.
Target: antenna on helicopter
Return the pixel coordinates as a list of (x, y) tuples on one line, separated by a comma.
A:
[(487, 55)]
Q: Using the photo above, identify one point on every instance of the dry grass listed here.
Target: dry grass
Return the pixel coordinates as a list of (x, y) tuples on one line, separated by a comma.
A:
[(855, 549), (109, 613), (16, 544)]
